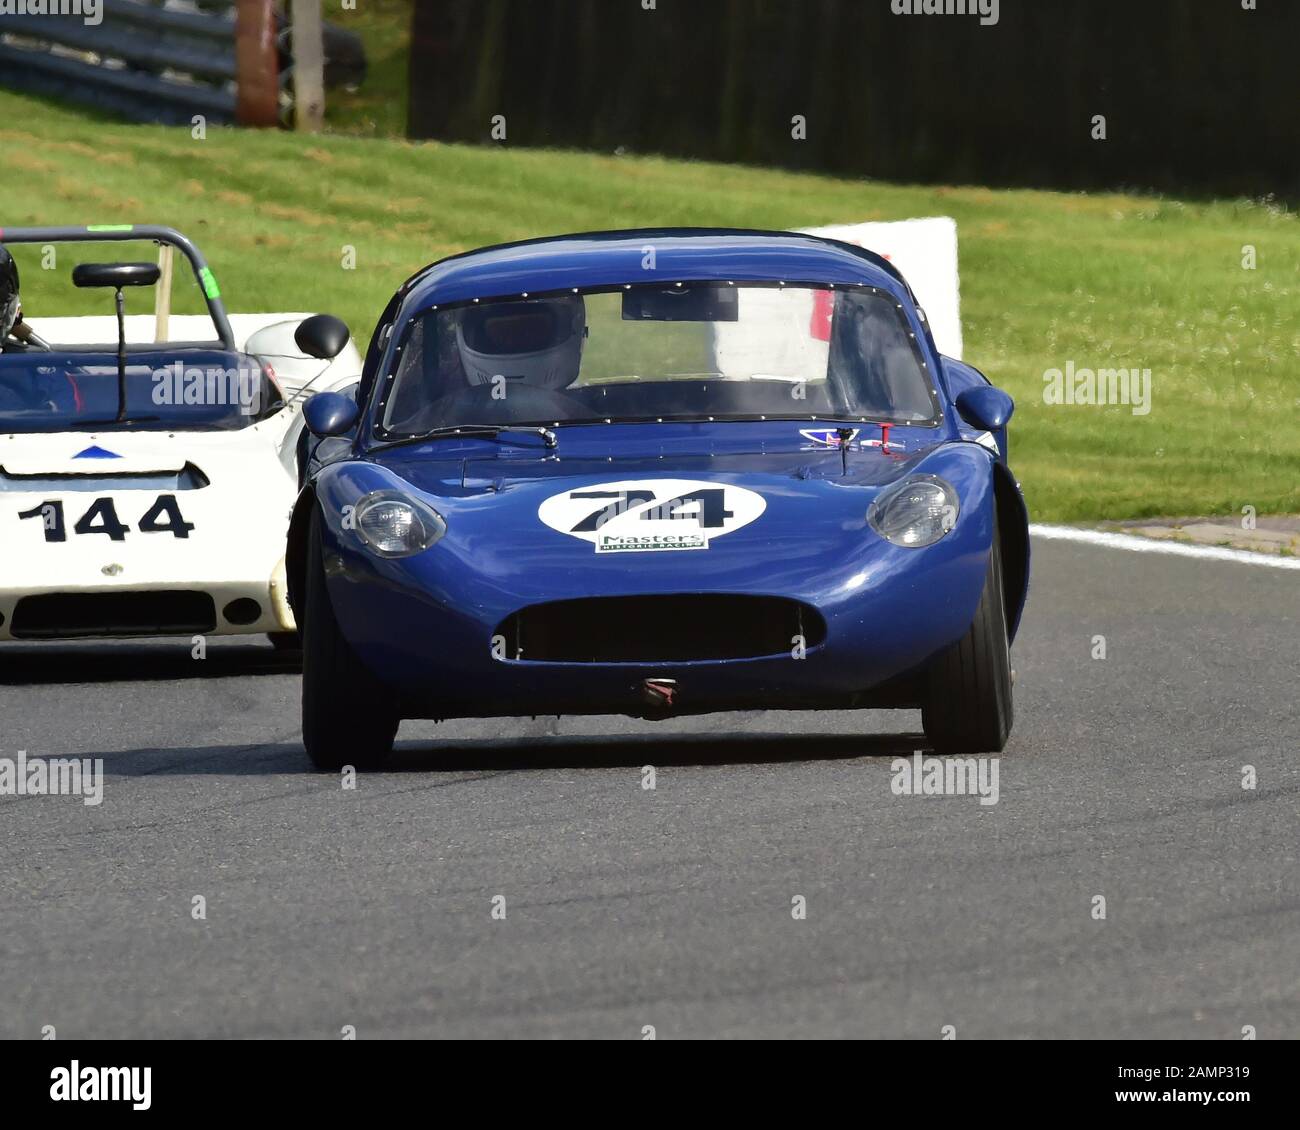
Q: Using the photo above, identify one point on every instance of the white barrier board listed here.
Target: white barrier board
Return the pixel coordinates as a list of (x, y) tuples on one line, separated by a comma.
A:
[(783, 335), (926, 252)]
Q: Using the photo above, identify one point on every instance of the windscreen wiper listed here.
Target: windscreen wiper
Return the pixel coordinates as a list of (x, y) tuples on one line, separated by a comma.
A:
[(487, 430)]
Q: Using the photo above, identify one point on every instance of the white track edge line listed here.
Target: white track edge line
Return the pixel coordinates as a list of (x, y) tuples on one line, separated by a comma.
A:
[(1135, 543)]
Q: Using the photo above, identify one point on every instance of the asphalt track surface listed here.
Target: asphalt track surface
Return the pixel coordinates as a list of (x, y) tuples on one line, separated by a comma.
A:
[(673, 908)]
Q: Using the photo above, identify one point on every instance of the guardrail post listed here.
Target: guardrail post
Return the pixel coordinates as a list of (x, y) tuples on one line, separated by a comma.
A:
[(308, 66), (258, 102)]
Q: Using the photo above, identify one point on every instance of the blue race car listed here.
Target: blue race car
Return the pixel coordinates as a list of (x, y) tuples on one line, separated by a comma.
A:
[(657, 473)]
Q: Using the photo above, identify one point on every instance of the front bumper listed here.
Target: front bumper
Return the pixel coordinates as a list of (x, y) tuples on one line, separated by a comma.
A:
[(240, 606), (426, 627)]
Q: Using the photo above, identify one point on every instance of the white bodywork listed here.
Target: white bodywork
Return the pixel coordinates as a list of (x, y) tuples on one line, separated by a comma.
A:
[(240, 517)]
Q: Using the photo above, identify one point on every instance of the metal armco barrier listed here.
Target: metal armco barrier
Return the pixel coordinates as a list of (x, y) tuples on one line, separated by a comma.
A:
[(165, 62)]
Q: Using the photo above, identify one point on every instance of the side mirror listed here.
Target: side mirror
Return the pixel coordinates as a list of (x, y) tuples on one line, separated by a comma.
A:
[(322, 336), (330, 414), (115, 274), (985, 407)]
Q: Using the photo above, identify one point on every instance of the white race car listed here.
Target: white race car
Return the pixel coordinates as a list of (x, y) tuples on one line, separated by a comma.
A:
[(149, 463)]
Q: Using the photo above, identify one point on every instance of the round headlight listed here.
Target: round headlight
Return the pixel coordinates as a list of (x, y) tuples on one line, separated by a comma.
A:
[(915, 512), (396, 526)]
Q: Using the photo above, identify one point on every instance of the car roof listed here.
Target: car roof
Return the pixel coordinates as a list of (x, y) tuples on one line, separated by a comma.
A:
[(616, 258)]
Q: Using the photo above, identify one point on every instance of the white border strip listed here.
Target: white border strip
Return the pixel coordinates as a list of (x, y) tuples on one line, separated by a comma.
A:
[(1138, 544)]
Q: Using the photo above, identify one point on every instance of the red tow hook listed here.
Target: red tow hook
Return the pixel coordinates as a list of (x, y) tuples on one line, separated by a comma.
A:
[(884, 442), (658, 694)]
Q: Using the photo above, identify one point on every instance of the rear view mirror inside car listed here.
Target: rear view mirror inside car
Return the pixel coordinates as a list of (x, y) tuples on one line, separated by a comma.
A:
[(704, 302)]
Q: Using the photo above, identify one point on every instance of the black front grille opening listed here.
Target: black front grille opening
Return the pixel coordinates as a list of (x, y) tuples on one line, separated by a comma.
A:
[(661, 629), (63, 616)]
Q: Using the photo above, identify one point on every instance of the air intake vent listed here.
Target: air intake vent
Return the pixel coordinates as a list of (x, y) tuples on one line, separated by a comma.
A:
[(189, 478), (77, 615), (660, 629)]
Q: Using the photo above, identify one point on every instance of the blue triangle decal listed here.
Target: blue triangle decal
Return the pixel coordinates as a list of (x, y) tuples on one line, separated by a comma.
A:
[(96, 452)]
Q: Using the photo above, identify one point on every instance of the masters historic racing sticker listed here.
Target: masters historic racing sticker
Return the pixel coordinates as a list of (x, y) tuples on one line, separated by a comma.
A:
[(650, 515)]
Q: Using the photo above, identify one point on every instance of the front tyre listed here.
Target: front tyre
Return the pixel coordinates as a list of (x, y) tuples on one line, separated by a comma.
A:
[(348, 716), (968, 704)]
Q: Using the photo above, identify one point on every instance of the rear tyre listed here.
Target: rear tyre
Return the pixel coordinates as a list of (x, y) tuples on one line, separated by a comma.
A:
[(968, 704), (285, 641), (348, 716)]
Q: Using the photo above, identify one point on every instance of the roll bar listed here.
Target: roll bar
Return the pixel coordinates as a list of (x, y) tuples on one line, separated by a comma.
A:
[(124, 233)]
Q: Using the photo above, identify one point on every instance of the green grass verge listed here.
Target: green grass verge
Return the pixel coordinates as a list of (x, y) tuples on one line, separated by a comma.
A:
[(1101, 280)]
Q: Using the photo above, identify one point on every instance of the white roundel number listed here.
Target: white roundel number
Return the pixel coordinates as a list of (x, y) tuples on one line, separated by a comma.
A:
[(646, 515)]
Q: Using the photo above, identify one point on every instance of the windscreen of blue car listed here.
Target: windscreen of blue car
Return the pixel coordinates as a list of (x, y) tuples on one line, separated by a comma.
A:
[(702, 351), (195, 390)]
